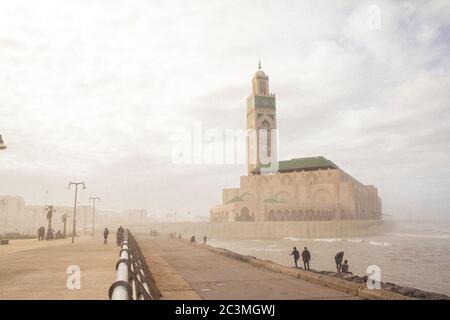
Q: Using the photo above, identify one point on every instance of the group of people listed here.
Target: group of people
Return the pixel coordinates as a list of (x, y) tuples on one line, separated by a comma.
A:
[(306, 257), (50, 234), (205, 238)]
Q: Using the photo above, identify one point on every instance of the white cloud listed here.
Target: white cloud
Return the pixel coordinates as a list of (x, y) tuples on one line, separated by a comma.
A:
[(92, 89)]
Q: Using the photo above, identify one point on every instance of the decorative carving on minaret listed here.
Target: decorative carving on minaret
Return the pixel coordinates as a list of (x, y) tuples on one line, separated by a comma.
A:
[(261, 123)]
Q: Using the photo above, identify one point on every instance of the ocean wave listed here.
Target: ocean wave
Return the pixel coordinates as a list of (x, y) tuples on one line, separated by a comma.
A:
[(419, 235), (266, 249), (296, 239), (354, 240), (376, 243), (328, 239)]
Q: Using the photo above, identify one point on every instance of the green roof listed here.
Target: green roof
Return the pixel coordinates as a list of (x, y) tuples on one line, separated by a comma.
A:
[(235, 199), (301, 164)]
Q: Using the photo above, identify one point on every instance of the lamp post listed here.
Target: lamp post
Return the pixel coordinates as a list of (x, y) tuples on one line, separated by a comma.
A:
[(93, 213), (74, 223), (2, 143), (50, 211)]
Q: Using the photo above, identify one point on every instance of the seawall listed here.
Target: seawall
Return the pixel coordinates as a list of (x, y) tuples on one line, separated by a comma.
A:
[(270, 230)]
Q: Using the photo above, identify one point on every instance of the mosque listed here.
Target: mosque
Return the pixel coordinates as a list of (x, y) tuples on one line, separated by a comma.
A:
[(300, 189)]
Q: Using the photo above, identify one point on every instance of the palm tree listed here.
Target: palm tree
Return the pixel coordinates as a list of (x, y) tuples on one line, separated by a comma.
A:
[(50, 211), (64, 220)]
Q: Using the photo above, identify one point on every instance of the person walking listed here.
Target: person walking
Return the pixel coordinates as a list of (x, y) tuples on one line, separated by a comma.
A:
[(306, 256), (296, 255), (119, 236), (338, 258), (105, 235)]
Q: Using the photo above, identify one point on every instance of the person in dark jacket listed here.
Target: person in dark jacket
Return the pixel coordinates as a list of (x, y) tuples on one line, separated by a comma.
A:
[(193, 239), (119, 236), (205, 238), (306, 256), (338, 258), (105, 235), (296, 255)]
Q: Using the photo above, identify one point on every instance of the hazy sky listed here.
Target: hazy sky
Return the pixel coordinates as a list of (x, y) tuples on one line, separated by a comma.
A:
[(91, 90)]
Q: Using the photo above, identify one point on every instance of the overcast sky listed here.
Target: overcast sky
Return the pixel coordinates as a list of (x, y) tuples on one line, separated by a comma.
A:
[(91, 90)]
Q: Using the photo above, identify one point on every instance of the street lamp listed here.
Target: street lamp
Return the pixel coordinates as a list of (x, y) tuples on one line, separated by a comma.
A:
[(74, 223), (2, 143), (93, 213)]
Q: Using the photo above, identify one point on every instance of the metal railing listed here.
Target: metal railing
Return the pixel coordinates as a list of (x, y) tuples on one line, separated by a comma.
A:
[(134, 280)]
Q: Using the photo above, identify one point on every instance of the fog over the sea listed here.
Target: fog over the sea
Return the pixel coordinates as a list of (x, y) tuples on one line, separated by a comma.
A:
[(91, 90)]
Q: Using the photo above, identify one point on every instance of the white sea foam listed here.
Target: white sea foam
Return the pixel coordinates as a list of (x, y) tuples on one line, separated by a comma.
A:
[(416, 235), (354, 240), (328, 239), (296, 239), (376, 243)]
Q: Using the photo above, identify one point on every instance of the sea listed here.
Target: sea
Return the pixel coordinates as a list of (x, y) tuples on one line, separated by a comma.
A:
[(410, 253)]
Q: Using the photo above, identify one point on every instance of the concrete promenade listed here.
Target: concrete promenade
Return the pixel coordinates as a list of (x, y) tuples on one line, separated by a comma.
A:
[(184, 271), (32, 269)]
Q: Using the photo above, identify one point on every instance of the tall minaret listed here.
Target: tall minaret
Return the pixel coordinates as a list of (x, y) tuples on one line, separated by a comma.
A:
[(261, 122)]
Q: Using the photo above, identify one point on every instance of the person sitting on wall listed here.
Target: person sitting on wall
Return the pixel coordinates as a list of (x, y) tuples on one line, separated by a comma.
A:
[(296, 255), (338, 258), (345, 267)]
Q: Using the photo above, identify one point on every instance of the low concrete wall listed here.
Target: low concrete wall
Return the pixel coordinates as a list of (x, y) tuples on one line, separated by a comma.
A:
[(349, 287), (270, 230)]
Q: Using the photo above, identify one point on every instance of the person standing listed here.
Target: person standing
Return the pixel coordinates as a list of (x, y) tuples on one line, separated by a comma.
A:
[(306, 256), (204, 239), (338, 258), (119, 236), (296, 255), (105, 235)]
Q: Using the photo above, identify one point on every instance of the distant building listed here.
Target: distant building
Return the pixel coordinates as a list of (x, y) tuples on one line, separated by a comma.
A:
[(11, 214), (312, 188)]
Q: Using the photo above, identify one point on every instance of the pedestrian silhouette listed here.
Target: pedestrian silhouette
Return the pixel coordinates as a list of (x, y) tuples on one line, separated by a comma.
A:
[(193, 239), (105, 235), (338, 258), (296, 255), (306, 256), (119, 235), (204, 239)]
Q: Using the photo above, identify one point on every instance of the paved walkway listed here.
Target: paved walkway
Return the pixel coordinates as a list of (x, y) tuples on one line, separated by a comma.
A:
[(32, 269), (184, 271)]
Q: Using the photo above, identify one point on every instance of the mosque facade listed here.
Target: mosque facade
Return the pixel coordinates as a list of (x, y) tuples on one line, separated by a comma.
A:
[(299, 189)]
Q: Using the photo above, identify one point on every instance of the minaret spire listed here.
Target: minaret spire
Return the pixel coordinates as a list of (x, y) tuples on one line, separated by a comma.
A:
[(259, 64)]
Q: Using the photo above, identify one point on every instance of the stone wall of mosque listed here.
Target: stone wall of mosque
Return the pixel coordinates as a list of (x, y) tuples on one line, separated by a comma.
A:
[(319, 195)]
